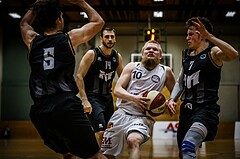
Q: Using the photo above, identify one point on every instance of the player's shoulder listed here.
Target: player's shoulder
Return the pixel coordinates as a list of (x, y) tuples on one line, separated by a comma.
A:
[(119, 55), (164, 67), (89, 55), (90, 52), (215, 49), (130, 66), (168, 68), (216, 54)]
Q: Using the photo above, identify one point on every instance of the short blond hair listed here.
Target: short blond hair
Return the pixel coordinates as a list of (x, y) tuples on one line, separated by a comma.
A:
[(154, 42)]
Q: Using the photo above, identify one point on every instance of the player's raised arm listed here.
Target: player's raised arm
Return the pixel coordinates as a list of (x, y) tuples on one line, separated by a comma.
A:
[(89, 30)]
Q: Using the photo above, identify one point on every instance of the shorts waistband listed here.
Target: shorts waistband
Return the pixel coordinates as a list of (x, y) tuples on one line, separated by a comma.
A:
[(126, 113), (191, 105)]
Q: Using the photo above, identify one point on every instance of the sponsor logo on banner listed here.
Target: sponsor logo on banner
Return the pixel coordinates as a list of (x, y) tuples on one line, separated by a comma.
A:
[(165, 129)]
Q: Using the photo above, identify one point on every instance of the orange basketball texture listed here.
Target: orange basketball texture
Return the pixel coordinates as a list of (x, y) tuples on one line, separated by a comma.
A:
[(156, 105)]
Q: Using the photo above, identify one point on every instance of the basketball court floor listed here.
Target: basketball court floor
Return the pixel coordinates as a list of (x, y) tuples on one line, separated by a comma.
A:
[(157, 149)]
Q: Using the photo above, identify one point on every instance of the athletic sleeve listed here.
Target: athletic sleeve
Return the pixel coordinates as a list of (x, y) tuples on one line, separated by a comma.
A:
[(178, 87)]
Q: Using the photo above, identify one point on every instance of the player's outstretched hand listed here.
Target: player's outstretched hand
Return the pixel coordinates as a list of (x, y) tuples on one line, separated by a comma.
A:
[(171, 106)]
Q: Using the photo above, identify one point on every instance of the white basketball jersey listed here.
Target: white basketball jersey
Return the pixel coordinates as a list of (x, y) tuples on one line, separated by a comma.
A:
[(141, 80)]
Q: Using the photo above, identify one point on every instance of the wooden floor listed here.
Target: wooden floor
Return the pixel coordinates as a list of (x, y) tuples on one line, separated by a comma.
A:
[(158, 149)]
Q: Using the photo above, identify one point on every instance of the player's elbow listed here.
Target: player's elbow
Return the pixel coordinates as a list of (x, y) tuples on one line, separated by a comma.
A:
[(231, 56), (22, 25), (235, 55), (100, 23), (79, 78), (117, 91)]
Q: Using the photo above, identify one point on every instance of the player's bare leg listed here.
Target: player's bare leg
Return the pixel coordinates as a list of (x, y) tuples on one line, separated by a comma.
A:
[(134, 140), (99, 137)]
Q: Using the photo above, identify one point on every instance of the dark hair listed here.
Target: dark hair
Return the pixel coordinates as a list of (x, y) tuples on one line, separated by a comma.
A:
[(47, 13), (107, 29), (204, 20)]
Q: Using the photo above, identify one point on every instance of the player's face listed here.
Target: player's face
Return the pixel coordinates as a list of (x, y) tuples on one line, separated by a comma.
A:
[(108, 39), (151, 54), (151, 51), (193, 38)]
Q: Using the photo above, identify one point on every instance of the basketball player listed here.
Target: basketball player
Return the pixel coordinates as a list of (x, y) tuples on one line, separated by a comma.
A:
[(129, 124), (95, 75), (198, 84), (57, 112)]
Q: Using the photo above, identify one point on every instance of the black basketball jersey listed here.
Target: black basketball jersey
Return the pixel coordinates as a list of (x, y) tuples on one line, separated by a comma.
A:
[(101, 73), (201, 78), (52, 64)]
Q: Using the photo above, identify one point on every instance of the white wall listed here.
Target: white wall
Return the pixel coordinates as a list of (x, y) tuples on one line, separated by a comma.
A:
[(228, 100)]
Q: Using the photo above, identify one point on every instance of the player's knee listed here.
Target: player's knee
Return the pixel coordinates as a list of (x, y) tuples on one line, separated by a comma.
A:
[(200, 128), (133, 140)]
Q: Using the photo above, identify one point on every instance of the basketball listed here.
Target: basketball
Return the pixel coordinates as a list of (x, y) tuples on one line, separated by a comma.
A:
[(156, 105)]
